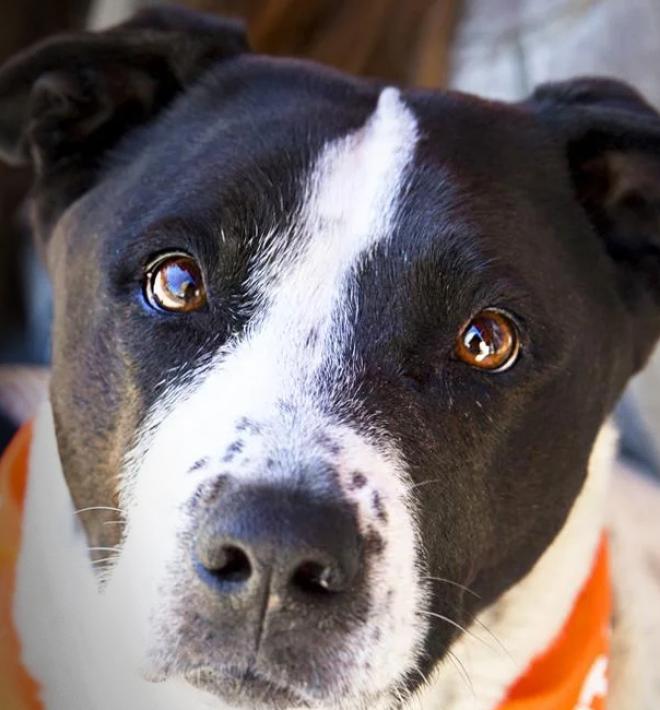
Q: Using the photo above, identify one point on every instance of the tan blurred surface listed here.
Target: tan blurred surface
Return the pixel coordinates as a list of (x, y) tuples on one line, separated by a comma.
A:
[(402, 42)]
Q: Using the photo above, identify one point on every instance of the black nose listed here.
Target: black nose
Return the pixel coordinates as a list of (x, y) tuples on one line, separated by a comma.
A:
[(266, 540)]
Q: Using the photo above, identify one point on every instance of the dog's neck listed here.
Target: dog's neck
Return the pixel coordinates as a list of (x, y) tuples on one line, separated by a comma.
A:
[(483, 663)]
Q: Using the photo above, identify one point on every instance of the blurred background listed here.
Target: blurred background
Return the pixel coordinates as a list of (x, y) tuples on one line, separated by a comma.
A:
[(495, 48)]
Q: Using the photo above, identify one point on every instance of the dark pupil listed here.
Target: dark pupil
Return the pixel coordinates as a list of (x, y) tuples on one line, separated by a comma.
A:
[(482, 338), (181, 281)]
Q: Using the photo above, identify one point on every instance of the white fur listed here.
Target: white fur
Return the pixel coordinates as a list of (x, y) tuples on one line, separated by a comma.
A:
[(634, 521), (272, 376), (69, 638), (54, 562)]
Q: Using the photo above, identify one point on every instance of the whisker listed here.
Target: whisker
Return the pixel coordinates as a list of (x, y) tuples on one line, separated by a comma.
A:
[(421, 674), (447, 619), (99, 548), (425, 483), (456, 625), (454, 584), (105, 560), (475, 619), (99, 507), (462, 671), (493, 636), (115, 522)]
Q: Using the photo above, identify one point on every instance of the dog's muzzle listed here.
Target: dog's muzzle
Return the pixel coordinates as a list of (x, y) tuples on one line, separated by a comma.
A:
[(280, 578)]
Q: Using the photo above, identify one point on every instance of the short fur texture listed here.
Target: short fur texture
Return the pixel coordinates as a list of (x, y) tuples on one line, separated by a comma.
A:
[(346, 232)]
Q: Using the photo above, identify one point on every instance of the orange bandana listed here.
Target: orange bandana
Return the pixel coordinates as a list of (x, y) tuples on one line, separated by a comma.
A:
[(17, 690), (570, 675)]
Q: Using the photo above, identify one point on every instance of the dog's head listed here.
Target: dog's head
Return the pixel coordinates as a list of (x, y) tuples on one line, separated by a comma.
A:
[(338, 352)]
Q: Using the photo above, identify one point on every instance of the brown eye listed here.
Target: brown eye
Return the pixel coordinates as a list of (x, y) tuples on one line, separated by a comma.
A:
[(174, 283), (489, 342)]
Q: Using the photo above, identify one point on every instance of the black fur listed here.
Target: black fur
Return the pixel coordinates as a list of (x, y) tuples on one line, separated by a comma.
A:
[(165, 133)]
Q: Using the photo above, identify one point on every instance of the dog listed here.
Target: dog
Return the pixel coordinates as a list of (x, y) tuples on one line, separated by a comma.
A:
[(333, 368)]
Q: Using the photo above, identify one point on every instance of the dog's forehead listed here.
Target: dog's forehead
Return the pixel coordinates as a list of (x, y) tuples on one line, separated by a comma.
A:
[(243, 142), (241, 157), (348, 206)]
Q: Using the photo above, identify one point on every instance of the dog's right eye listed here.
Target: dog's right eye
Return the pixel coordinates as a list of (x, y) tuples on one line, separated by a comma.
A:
[(174, 283)]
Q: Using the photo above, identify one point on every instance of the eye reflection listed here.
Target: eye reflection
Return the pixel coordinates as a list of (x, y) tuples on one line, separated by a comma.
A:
[(174, 283), (489, 341)]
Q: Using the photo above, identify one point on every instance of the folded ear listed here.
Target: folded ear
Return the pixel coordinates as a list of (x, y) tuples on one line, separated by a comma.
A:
[(67, 100), (58, 95), (611, 138)]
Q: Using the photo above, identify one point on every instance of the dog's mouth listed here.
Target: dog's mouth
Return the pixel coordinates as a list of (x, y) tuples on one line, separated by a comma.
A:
[(245, 688)]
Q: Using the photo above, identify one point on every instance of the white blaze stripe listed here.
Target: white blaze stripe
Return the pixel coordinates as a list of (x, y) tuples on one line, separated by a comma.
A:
[(351, 199), (354, 193)]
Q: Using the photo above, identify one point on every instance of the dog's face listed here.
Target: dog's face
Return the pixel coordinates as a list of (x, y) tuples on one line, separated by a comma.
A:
[(337, 352)]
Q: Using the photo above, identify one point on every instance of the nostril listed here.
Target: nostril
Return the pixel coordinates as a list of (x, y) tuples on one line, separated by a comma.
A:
[(317, 578), (229, 564)]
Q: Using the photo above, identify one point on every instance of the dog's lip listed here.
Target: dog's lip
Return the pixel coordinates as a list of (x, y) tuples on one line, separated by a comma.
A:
[(245, 687)]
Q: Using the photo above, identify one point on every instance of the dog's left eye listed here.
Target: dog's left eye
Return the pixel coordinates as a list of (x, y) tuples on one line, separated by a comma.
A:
[(490, 341), (174, 283)]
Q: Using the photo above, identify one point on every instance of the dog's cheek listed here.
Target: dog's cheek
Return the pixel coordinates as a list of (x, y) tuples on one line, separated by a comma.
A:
[(97, 403), (376, 481)]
